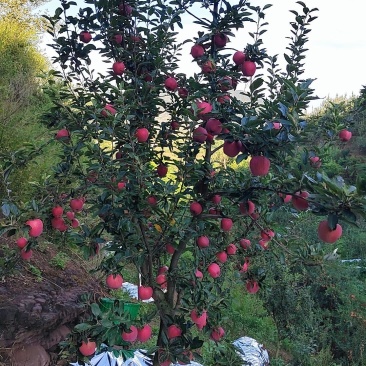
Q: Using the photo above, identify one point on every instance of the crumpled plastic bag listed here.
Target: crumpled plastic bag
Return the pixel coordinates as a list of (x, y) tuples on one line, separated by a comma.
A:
[(253, 353)]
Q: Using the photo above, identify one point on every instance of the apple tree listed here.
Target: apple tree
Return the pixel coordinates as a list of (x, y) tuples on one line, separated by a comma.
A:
[(139, 176)]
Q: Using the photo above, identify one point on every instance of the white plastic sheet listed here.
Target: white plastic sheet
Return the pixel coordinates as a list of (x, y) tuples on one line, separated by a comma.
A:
[(253, 353)]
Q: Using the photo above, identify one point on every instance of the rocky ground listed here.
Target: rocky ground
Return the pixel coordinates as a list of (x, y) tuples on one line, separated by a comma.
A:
[(39, 303)]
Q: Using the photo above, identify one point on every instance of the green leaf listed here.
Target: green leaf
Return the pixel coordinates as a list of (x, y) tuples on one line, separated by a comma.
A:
[(332, 221), (95, 309), (82, 327)]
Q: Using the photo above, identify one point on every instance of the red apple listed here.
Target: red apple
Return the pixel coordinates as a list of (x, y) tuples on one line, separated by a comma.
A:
[(245, 266), (161, 280), (264, 244), (299, 200), (183, 92), (75, 223), (87, 348), (142, 134), (197, 51), (231, 249), (222, 99), (276, 125), (259, 165), (345, 135), (22, 242), (220, 40), (252, 286), (199, 320), (108, 110), (198, 274), (232, 148), (144, 333), (208, 67), (70, 215), (173, 331), (118, 38), (315, 162), (77, 204), (121, 185), (171, 84), (217, 334), (245, 243), (169, 248), (125, 9), (151, 200), (221, 256), (130, 335), (267, 234), (226, 224), (247, 208), (114, 281), (85, 37), (162, 170), (63, 135), (119, 68), (36, 227), (163, 269), (248, 68), (199, 134), (216, 199), (214, 270), (57, 211), (58, 223), (225, 83), (195, 208), (238, 57), (144, 292), (213, 126), (203, 241), (26, 254), (328, 235), (174, 125), (203, 108)]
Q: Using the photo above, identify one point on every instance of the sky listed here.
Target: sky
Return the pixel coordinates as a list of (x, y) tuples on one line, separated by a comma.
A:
[(337, 44)]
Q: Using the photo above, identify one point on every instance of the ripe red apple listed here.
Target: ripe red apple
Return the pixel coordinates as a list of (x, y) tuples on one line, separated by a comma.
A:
[(199, 320), (222, 99), (57, 211), (203, 241), (119, 68), (87, 348), (203, 108), (75, 223), (267, 234), (245, 266), (195, 208), (163, 269), (220, 40), (77, 204), (276, 125), (214, 270), (173, 331), (286, 197), (108, 110), (130, 335), (299, 200), (238, 57), (169, 248), (225, 83), (26, 254), (221, 256), (252, 286), (162, 170), (114, 281), (231, 249), (58, 223), (174, 125), (226, 224), (198, 274), (245, 243), (63, 135), (315, 162), (142, 134), (152, 200), (247, 208), (217, 334), (85, 37), (213, 126), (345, 135), (328, 235), (197, 51), (183, 92), (70, 215), (259, 165), (199, 134), (208, 67), (144, 333), (264, 244), (145, 292), (22, 242), (232, 148), (216, 199), (121, 185), (36, 227), (125, 9), (118, 38), (248, 68), (171, 84), (161, 280)]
